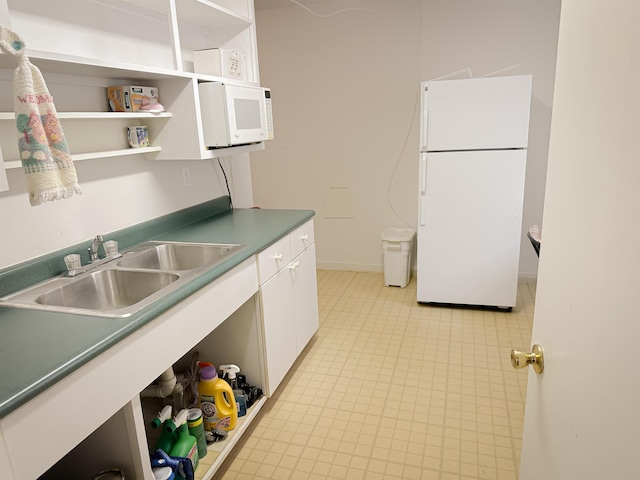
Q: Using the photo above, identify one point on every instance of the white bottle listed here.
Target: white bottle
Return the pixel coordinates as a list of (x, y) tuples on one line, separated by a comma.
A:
[(241, 398)]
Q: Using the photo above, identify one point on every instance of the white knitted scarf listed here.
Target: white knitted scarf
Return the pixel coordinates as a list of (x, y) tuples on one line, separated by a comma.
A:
[(44, 153)]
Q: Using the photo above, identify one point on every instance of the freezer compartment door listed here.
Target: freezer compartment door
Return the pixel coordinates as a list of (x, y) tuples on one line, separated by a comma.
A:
[(477, 113), (469, 246)]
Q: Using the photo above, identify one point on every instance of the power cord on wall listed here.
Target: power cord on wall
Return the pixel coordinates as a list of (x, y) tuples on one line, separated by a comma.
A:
[(332, 13), (416, 103), (226, 181)]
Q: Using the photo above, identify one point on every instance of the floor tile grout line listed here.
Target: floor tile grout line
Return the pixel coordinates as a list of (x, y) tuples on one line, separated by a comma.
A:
[(445, 400)]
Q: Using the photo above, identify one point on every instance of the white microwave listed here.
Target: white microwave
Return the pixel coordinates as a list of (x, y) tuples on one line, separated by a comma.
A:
[(234, 114)]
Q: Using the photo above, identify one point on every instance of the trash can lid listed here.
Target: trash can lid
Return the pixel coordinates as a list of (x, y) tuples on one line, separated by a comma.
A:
[(398, 234)]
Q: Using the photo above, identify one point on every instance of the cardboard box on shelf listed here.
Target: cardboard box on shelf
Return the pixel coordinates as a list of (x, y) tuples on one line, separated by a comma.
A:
[(130, 98)]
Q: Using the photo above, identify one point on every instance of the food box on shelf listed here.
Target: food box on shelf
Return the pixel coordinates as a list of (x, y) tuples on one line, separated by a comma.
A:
[(130, 98)]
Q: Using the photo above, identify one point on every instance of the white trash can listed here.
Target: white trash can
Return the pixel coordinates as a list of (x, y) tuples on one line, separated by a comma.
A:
[(397, 245)]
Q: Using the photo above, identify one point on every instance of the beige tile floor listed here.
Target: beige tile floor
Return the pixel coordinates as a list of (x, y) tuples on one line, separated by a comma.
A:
[(391, 389)]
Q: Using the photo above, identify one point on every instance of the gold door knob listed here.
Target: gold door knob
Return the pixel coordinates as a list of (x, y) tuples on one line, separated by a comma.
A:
[(522, 359)]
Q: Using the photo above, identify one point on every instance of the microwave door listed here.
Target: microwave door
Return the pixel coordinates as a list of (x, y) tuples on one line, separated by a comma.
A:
[(246, 115)]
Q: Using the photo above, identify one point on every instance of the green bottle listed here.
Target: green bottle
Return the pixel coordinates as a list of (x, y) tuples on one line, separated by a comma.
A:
[(186, 445), (168, 436), (164, 414)]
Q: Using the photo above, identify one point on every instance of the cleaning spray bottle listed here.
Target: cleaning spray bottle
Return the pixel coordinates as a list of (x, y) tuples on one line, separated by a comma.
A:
[(231, 371), (185, 446), (168, 436), (215, 399), (164, 414)]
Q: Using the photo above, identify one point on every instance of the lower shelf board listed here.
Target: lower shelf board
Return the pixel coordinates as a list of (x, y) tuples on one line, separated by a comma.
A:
[(219, 451)]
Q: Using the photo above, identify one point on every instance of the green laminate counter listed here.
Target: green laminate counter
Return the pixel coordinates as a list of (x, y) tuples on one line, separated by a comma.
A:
[(39, 348)]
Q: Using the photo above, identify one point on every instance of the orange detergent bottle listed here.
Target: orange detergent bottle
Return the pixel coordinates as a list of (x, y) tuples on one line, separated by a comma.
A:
[(216, 400)]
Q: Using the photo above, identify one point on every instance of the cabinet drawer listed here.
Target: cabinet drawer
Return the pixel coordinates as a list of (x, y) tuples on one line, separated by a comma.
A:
[(301, 238), (273, 258)]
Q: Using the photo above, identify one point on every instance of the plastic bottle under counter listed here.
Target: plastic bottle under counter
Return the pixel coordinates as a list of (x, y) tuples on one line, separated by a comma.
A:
[(216, 400)]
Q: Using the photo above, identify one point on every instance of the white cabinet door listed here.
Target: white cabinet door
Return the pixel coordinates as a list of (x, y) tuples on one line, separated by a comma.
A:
[(289, 300), (305, 290), (278, 316)]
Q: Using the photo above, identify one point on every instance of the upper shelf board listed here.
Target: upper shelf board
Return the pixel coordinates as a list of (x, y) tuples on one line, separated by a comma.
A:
[(90, 67), (198, 12)]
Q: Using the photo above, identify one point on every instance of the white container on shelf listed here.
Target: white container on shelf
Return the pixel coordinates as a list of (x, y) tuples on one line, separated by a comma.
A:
[(397, 245), (221, 62)]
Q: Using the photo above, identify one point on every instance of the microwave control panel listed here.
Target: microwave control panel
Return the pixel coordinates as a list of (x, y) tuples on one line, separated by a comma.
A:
[(269, 113)]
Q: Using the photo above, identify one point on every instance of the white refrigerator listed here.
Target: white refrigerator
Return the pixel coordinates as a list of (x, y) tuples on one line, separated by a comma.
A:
[(473, 151)]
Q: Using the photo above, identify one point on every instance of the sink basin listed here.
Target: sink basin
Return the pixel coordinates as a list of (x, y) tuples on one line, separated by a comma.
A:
[(119, 288), (107, 289), (178, 256)]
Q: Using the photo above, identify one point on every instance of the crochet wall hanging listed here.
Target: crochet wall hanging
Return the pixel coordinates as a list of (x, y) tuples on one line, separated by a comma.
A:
[(45, 156)]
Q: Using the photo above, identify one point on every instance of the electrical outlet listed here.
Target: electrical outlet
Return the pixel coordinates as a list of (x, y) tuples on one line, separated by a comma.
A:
[(186, 177)]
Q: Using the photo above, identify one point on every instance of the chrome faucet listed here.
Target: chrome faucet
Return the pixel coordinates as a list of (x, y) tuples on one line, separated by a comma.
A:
[(93, 249), (110, 253)]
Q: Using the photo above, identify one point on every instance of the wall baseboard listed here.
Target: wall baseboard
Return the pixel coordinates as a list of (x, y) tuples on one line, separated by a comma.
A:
[(527, 276), (351, 267), (360, 267)]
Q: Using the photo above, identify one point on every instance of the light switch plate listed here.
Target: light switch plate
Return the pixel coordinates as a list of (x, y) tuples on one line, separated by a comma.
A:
[(186, 177)]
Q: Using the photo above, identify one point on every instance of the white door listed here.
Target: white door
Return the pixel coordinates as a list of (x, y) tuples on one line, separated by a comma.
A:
[(582, 417), (305, 295)]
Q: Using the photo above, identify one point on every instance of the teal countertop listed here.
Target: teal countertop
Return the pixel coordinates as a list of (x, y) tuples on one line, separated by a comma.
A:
[(39, 348)]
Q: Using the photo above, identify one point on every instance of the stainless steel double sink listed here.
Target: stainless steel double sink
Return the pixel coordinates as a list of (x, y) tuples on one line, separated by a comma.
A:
[(124, 286)]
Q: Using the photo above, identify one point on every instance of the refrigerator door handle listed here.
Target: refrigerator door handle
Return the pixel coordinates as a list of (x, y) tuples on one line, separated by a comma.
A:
[(423, 189), (424, 96)]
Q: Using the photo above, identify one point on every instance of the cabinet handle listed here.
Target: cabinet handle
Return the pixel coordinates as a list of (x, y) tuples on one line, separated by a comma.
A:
[(278, 256), (294, 265), (304, 238)]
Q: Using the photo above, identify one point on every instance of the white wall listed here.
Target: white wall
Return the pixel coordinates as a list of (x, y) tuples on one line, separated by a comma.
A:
[(345, 90), (117, 193)]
